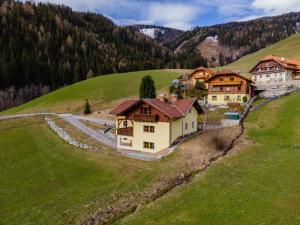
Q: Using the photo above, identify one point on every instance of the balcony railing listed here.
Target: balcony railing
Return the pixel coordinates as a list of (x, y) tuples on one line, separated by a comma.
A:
[(145, 118), (224, 83), (125, 131)]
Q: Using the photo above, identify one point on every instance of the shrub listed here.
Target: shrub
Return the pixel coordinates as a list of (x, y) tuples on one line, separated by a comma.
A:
[(87, 108), (245, 99)]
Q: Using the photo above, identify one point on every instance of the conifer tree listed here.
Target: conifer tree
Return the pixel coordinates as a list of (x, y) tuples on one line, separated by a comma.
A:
[(87, 108), (147, 88)]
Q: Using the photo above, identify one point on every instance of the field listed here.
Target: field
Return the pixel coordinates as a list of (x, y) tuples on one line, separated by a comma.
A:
[(101, 91), (258, 184), (289, 48), (46, 181)]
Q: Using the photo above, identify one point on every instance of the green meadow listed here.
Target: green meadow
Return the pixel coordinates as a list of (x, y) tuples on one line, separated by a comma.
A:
[(258, 184), (101, 91)]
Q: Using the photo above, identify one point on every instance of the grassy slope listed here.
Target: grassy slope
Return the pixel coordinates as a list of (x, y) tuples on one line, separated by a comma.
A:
[(289, 48), (44, 181), (100, 91), (259, 185)]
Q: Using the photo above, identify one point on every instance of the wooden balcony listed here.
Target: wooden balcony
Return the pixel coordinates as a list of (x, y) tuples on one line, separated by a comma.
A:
[(125, 131), (145, 118), (223, 83)]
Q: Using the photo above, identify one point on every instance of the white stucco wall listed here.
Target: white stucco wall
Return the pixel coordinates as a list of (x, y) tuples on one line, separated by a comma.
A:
[(273, 77)]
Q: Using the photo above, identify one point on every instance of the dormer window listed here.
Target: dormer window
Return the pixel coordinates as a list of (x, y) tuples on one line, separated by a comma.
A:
[(221, 79), (231, 78)]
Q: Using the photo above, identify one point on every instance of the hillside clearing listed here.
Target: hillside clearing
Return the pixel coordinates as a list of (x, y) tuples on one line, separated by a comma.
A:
[(258, 185), (101, 91)]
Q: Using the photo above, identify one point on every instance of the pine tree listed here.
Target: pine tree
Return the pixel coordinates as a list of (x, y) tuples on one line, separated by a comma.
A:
[(147, 88), (87, 108)]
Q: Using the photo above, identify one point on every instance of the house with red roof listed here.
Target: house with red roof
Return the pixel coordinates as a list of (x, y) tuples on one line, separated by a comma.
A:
[(274, 69), (153, 125)]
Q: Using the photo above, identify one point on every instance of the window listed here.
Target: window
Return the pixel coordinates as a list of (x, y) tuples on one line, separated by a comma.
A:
[(190, 111), (231, 78), (146, 111), (214, 98), (193, 124), (149, 129), (221, 79), (228, 89), (216, 89), (239, 88), (268, 75), (124, 139), (125, 123), (239, 98), (226, 97), (186, 126), (221, 88), (148, 145)]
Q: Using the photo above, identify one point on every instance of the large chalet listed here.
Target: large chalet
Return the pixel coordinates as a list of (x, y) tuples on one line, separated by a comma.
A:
[(228, 87), (273, 69), (152, 125)]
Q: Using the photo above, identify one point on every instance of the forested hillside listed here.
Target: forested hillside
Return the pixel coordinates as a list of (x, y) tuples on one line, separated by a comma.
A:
[(159, 33), (224, 43), (44, 47)]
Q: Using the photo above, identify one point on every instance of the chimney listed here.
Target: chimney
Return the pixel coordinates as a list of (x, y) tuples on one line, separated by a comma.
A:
[(174, 97), (162, 97)]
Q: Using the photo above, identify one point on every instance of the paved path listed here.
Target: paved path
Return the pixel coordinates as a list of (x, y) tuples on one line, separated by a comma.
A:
[(74, 121), (96, 120), (25, 116)]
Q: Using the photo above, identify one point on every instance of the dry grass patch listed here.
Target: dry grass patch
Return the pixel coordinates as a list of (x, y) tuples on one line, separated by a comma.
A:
[(197, 151)]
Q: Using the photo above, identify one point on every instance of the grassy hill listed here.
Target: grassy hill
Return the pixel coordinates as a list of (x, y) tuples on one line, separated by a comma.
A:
[(289, 48), (101, 91), (259, 184)]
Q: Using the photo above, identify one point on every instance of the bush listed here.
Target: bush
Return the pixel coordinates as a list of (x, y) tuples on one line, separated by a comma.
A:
[(245, 99)]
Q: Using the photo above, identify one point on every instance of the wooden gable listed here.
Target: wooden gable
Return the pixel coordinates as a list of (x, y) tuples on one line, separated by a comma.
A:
[(201, 74), (141, 109), (267, 66)]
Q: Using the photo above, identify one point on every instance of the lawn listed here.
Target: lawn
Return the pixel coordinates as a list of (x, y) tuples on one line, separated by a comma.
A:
[(101, 91), (259, 184)]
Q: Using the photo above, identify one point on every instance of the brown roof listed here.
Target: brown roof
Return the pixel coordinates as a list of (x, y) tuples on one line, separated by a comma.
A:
[(125, 105), (286, 63), (228, 72), (209, 71), (177, 109)]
